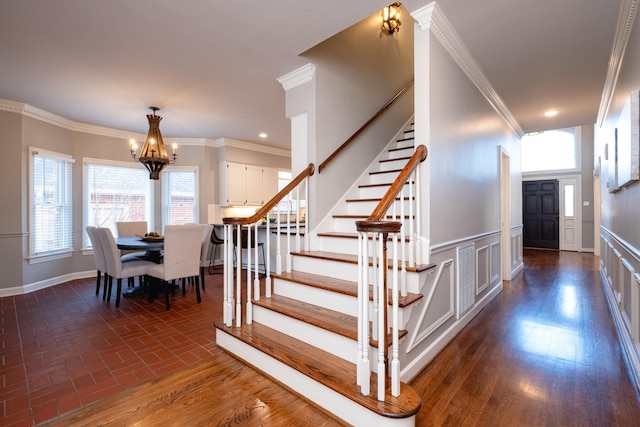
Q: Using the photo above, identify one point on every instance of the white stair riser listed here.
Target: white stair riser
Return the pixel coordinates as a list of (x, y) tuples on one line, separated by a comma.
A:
[(391, 164), (326, 299), (341, 303), (346, 271), (336, 344), (330, 342), (348, 225), (382, 178), (366, 207)]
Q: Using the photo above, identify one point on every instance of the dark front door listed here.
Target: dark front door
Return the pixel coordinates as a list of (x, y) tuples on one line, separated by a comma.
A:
[(541, 211)]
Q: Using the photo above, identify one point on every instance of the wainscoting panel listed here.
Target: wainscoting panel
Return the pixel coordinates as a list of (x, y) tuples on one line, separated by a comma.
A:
[(494, 252), (438, 306), (482, 273), (621, 284), (466, 279)]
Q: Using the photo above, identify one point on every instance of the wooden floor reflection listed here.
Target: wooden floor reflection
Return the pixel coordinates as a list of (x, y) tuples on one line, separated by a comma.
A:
[(543, 353)]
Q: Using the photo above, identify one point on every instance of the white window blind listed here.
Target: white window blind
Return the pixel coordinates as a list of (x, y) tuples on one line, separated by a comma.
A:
[(51, 203), (179, 196), (113, 192)]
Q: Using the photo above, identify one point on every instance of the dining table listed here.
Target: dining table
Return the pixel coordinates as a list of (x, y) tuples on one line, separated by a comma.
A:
[(151, 247)]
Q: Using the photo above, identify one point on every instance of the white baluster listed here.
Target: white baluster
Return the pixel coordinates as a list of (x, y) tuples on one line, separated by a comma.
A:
[(395, 361), (381, 314)]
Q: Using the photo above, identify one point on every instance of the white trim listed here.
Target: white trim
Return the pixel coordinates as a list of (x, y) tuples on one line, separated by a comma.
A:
[(626, 16), (43, 284), (297, 77), (59, 121), (229, 142)]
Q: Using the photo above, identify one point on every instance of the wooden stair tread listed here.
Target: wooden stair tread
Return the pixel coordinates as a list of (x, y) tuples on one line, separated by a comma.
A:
[(408, 147), (325, 368), (345, 287), (387, 171), (350, 258), (395, 159), (389, 217), (387, 184), (345, 235), (375, 199)]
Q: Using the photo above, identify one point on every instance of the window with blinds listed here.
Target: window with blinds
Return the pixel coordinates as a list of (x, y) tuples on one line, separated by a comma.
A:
[(51, 203), (114, 192), (179, 195)]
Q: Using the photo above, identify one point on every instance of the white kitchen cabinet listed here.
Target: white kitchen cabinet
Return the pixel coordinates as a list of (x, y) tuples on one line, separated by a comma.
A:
[(247, 185)]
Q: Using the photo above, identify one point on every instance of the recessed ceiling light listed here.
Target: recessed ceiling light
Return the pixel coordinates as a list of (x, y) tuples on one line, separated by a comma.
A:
[(263, 135), (550, 113)]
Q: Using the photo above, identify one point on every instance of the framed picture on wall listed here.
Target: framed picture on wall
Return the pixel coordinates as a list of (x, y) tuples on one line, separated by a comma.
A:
[(628, 142), (611, 154)]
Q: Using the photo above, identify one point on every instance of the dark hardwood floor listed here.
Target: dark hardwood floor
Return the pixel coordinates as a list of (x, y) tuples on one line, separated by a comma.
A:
[(543, 353)]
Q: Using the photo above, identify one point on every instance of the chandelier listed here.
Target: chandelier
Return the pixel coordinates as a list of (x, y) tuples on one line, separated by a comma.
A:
[(153, 155)]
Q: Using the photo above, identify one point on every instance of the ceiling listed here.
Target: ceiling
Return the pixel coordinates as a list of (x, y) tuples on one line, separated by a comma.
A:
[(212, 66)]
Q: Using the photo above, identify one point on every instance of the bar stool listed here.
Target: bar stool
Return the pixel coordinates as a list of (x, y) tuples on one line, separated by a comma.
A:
[(244, 237), (215, 242)]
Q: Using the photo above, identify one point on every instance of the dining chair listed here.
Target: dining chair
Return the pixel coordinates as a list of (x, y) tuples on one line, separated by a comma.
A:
[(116, 269), (182, 247), (215, 242), (207, 231), (98, 256), (131, 228)]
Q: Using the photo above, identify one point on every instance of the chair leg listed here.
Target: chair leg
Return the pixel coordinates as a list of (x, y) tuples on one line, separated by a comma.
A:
[(166, 292), (98, 277), (202, 277), (197, 290), (104, 286), (109, 291), (118, 292)]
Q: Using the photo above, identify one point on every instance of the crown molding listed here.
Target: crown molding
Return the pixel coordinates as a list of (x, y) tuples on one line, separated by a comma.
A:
[(626, 17), (59, 121), (235, 143), (432, 18), (297, 77), (55, 120)]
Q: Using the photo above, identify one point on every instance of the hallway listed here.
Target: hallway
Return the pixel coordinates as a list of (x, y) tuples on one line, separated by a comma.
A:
[(543, 353)]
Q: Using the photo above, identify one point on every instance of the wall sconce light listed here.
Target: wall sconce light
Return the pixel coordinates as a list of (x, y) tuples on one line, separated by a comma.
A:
[(153, 155), (391, 18)]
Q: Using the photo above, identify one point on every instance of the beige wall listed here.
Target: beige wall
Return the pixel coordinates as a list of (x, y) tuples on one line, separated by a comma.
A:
[(352, 82), (20, 131)]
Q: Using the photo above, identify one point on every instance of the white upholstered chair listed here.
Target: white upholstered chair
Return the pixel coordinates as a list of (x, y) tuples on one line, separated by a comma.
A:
[(207, 229), (98, 256), (116, 269), (182, 247), (131, 228)]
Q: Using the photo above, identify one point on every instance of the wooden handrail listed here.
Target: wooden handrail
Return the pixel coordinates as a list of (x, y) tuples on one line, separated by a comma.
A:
[(364, 126), (266, 208), (375, 221)]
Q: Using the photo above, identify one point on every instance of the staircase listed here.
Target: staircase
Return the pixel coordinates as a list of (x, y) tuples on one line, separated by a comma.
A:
[(305, 334)]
